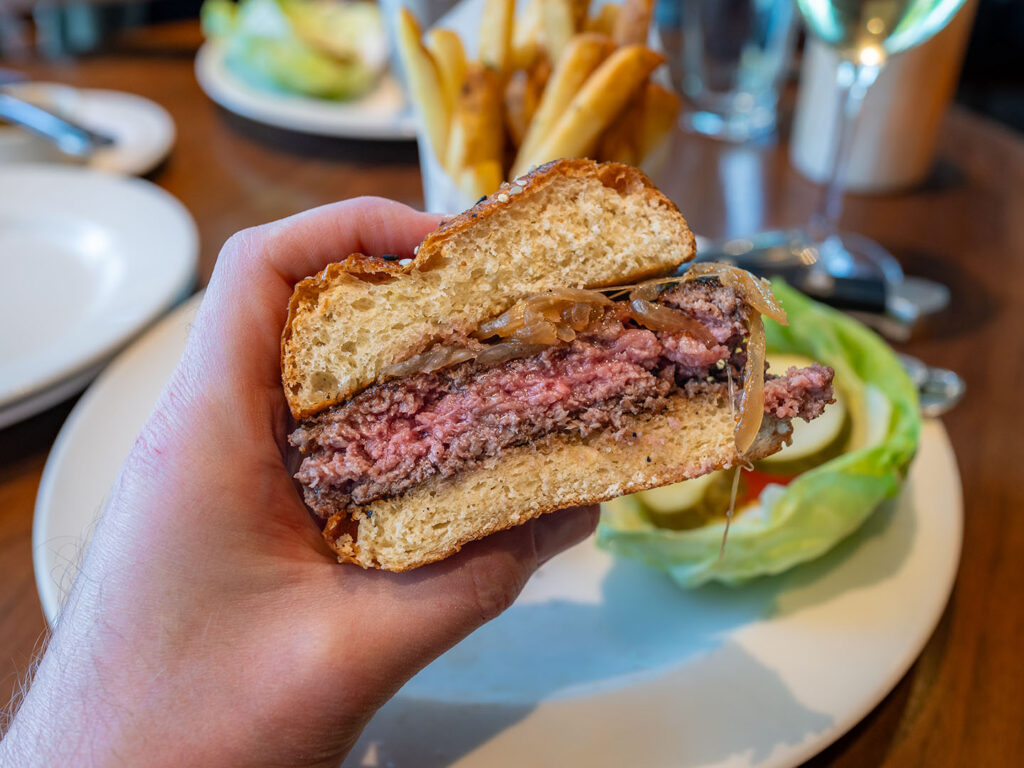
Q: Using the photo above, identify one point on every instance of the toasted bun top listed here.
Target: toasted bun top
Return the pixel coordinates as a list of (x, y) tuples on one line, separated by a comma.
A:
[(569, 223)]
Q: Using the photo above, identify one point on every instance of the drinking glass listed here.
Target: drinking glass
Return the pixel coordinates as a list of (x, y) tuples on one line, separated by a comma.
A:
[(734, 54), (864, 33)]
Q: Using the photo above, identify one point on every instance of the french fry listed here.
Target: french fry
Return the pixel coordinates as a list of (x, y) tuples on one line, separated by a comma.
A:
[(539, 74), (633, 23), (450, 58), (477, 134), (583, 55), (660, 110), (580, 9), (603, 22), (602, 97), (496, 33), (620, 142), (480, 179), (522, 96), (615, 147), (521, 99), (526, 32), (424, 83), (558, 26)]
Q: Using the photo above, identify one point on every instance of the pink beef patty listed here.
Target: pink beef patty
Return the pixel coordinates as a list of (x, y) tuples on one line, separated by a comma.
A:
[(395, 435)]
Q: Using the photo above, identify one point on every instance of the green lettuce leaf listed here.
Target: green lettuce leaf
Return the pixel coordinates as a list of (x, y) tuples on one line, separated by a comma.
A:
[(330, 51), (822, 506)]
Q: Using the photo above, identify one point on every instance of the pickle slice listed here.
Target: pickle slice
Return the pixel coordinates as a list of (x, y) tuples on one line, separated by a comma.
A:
[(690, 504)]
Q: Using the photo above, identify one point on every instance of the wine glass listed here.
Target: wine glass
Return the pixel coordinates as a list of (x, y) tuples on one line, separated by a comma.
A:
[(864, 33)]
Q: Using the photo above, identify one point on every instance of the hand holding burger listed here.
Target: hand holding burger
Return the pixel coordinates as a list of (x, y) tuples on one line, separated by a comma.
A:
[(209, 624), (540, 351)]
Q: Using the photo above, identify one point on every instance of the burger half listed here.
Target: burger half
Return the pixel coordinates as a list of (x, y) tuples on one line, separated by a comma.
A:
[(542, 350)]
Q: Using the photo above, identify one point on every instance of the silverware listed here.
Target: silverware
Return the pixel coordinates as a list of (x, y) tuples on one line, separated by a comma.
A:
[(69, 137), (939, 389)]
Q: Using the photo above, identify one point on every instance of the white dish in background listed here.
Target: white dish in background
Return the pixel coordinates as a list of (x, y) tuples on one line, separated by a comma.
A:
[(142, 130), (88, 260), (602, 662), (40, 401), (380, 115)]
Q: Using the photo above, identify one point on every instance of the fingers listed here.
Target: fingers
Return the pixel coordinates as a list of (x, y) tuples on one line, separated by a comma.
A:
[(420, 614), (558, 532), (302, 245), (236, 336), (488, 575)]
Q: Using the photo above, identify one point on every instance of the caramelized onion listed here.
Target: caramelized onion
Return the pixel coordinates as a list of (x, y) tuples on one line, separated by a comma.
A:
[(752, 399), (731, 511), (547, 317), (564, 332), (443, 357), (405, 368), (580, 316), (645, 291), (432, 360), (503, 325), (658, 317), (537, 332), (507, 350), (582, 295)]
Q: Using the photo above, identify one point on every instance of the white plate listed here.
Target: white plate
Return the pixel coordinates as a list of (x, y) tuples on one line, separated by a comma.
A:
[(381, 114), (88, 259), (142, 130), (603, 662), (40, 401)]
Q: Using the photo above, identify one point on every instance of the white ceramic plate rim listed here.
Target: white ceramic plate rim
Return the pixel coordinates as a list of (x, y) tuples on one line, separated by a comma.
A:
[(935, 541), (40, 401), (168, 248), (348, 119), (135, 160), (152, 131)]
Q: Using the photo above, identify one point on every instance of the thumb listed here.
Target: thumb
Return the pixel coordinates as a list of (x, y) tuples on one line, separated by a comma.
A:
[(420, 614)]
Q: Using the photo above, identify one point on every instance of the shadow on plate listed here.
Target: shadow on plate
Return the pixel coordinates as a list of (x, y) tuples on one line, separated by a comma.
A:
[(880, 547), (752, 716), (492, 692)]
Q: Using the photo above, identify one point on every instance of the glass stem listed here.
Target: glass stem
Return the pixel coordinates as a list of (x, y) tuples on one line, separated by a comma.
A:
[(853, 80)]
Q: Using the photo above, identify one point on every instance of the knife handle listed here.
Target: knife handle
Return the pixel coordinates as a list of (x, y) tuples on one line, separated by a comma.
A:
[(864, 294)]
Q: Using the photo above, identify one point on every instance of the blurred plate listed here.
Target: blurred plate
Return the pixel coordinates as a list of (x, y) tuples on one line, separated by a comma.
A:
[(88, 259), (43, 399), (142, 130), (381, 114), (602, 662)]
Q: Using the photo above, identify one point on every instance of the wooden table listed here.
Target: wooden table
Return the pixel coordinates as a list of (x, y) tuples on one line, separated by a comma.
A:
[(962, 703)]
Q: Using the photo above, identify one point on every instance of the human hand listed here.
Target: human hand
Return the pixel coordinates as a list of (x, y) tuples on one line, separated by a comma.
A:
[(209, 623)]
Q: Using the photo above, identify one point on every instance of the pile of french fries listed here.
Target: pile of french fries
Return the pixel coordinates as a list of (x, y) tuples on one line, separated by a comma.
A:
[(556, 81)]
